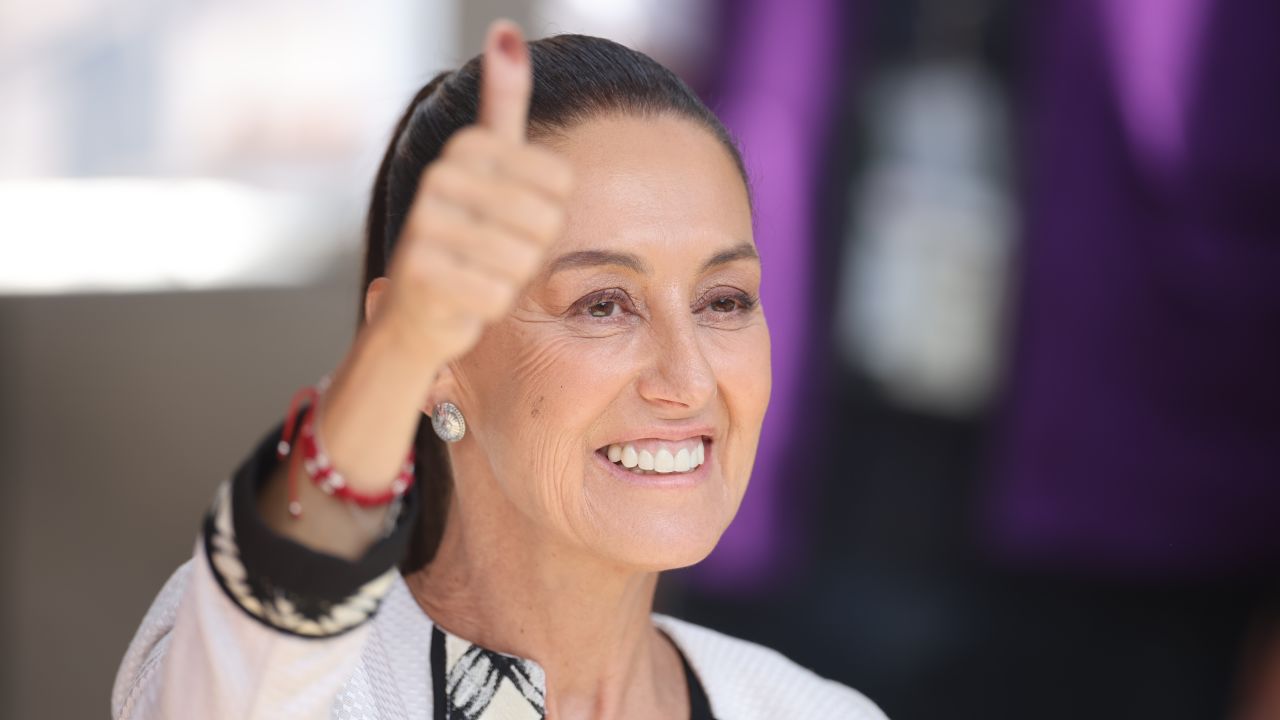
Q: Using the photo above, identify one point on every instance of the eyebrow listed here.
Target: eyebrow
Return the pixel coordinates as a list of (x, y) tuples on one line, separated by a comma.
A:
[(741, 251), (589, 258), (630, 261)]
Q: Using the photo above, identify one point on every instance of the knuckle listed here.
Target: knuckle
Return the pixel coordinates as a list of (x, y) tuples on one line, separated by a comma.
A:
[(415, 270), (433, 225), (477, 147), (451, 182), (499, 200), (496, 295), (423, 263), (423, 223), (464, 141), (513, 257)]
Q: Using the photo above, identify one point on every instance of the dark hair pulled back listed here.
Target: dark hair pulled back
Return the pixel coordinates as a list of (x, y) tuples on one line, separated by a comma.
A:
[(575, 78)]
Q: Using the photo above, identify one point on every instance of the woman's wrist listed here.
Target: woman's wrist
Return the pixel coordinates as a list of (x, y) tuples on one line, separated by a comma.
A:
[(370, 414), (329, 525), (371, 410)]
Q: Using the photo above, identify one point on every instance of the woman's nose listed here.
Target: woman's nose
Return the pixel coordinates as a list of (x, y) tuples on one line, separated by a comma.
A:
[(679, 375)]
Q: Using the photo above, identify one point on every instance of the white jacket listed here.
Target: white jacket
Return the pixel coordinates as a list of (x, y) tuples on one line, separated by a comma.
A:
[(220, 643)]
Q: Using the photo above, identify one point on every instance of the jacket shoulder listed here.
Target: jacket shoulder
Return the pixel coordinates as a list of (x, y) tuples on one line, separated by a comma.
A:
[(744, 680)]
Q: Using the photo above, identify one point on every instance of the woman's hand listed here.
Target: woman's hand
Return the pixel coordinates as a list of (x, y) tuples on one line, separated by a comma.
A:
[(484, 215)]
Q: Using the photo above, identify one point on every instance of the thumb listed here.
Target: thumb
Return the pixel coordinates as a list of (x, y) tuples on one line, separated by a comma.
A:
[(506, 81)]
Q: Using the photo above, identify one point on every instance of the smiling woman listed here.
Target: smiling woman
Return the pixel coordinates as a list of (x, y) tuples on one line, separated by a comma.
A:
[(572, 303), (644, 332)]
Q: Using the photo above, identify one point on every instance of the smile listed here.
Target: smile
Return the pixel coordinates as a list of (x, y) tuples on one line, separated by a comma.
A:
[(658, 457)]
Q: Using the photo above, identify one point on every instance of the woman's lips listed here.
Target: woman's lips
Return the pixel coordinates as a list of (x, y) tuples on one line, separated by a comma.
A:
[(661, 456), (687, 465)]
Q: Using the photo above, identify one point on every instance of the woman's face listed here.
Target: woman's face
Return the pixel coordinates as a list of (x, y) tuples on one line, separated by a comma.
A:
[(643, 333)]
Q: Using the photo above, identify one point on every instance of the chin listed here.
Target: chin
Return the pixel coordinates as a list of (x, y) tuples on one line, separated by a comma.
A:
[(657, 522), (657, 541)]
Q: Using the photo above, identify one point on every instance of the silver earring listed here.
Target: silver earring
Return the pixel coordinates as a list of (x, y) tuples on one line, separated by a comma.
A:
[(447, 421)]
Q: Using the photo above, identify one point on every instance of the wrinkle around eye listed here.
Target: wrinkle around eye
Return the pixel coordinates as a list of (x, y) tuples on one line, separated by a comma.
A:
[(601, 326), (576, 320), (556, 324)]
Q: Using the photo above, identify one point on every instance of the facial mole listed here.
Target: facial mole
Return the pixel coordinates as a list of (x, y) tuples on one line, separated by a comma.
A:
[(537, 406)]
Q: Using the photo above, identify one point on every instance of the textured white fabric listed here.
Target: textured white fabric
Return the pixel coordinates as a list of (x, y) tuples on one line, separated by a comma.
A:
[(197, 656), (745, 680)]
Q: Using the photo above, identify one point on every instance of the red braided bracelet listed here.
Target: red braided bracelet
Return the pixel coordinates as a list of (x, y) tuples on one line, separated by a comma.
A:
[(315, 460)]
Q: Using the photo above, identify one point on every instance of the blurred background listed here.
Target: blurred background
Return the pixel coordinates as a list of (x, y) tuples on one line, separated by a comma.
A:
[(1022, 268)]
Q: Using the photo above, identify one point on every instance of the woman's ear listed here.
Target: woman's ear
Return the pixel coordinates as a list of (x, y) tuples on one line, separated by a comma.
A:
[(444, 387), (373, 297)]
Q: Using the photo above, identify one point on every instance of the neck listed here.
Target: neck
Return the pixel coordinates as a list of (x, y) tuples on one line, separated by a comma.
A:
[(499, 582)]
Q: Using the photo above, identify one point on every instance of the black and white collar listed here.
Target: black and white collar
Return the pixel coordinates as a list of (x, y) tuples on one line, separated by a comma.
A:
[(470, 682)]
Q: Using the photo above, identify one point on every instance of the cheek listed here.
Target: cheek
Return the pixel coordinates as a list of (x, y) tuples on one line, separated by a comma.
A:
[(547, 392), (741, 360)]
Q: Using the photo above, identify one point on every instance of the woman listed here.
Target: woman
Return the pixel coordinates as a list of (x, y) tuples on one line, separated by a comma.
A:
[(577, 310)]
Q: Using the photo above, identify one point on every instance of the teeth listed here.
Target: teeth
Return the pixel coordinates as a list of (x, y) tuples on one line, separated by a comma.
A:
[(664, 463), (685, 459), (682, 460)]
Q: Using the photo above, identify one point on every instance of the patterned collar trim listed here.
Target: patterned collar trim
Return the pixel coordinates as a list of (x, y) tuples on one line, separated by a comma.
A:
[(470, 682), (474, 683)]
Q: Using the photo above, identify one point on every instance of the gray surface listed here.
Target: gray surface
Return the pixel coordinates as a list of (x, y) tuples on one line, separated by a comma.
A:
[(118, 417)]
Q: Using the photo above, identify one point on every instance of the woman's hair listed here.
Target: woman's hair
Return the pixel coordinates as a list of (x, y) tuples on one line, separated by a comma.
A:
[(575, 78)]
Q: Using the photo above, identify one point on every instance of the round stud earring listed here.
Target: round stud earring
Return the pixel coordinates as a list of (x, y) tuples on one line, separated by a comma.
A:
[(447, 421)]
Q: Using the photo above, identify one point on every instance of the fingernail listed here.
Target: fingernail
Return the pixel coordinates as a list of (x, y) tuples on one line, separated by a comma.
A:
[(509, 46)]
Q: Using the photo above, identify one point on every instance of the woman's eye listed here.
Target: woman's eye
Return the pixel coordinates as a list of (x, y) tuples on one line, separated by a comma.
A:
[(604, 305), (603, 308), (724, 304), (732, 304)]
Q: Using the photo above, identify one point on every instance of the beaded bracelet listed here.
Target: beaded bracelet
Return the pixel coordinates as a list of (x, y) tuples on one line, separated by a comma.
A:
[(315, 461)]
